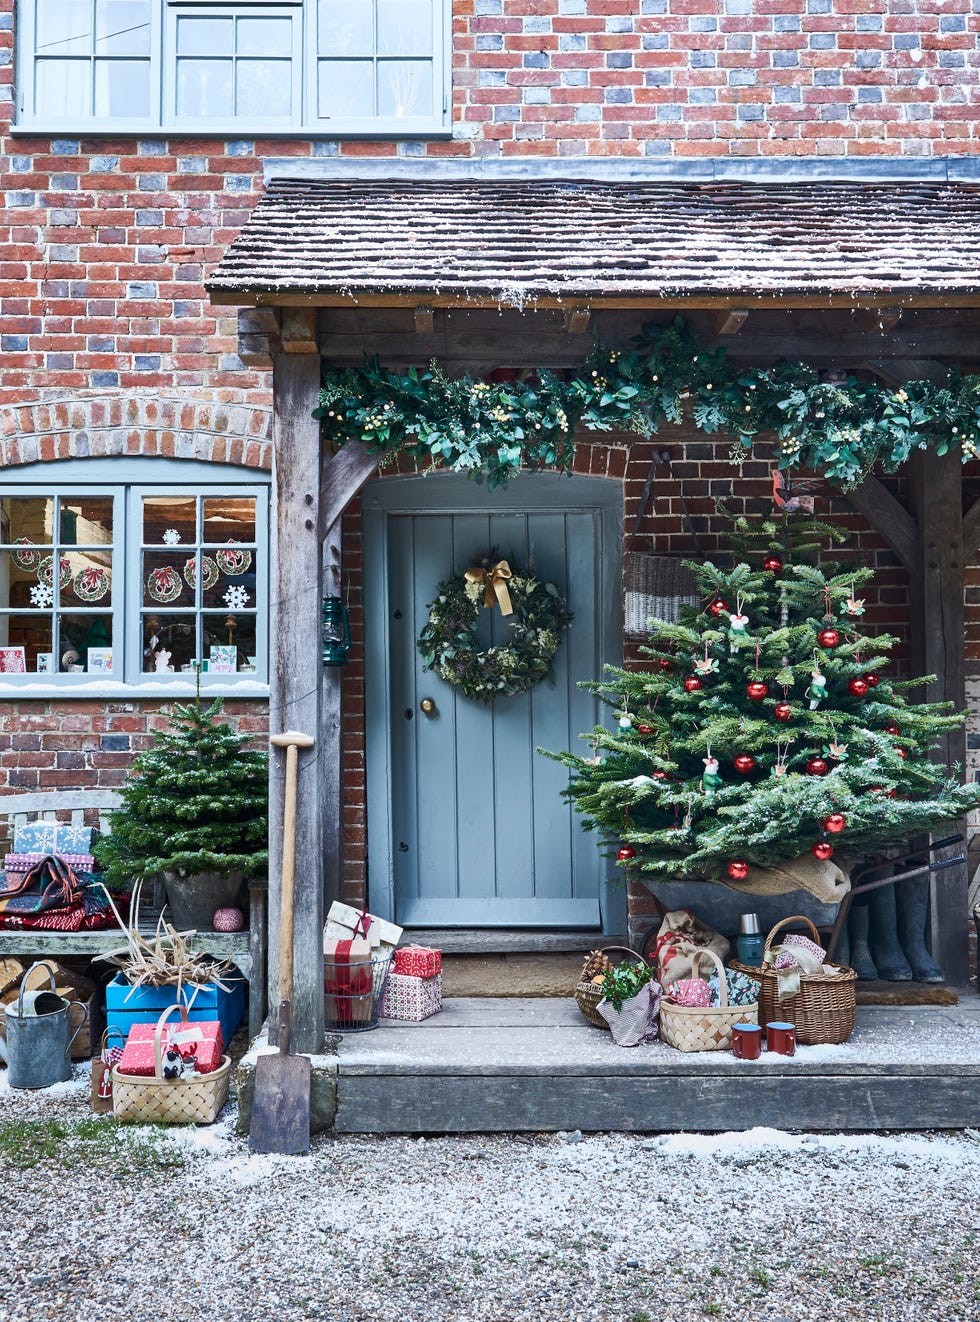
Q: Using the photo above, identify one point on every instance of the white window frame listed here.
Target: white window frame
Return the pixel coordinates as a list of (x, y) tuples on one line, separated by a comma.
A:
[(127, 482), (305, 123)]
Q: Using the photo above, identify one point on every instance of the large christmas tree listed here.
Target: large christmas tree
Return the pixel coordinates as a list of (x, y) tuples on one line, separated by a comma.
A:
[(767, 726)]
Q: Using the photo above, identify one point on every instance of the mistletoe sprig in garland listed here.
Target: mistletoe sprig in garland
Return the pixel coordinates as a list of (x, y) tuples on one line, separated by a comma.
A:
[(448, 642), (494, 429)]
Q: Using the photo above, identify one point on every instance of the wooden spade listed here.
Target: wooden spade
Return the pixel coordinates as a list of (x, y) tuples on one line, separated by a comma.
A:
[(281, 1104)]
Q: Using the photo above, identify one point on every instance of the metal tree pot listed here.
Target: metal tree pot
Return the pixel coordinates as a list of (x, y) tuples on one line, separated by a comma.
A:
[(192, 901), (39, 1035)]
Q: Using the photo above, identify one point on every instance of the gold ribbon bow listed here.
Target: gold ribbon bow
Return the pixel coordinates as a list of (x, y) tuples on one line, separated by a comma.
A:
[(495, 581)]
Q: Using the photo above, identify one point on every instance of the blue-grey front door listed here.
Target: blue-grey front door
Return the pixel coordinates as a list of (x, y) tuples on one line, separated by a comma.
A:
[(466, 822)]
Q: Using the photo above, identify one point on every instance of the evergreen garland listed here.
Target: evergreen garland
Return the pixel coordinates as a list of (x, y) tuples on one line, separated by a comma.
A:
[(494, 429), (647, 787), (195, 802)]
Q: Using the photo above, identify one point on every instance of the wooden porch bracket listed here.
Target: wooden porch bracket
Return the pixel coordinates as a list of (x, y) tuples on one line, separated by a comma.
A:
[(576, 320), (296, 681), (971, 529), (343, 476), (898, 371), (732, 321), (425, 320), (299, 327), (887, 515)]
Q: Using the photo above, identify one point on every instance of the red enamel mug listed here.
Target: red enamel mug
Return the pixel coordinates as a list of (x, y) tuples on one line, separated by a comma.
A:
[(781, 1038), (746, 1041)]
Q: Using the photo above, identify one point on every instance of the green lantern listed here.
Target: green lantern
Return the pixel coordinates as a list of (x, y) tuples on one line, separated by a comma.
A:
[(336, 632)]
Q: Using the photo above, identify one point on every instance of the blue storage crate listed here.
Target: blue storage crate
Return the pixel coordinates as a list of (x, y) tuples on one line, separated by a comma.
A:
[(146, 1004)]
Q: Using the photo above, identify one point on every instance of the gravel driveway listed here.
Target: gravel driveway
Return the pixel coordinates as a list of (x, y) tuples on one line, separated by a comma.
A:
[(102, 1223)]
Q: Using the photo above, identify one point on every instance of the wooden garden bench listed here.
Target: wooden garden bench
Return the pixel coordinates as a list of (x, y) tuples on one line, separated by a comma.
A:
[(247, 950)]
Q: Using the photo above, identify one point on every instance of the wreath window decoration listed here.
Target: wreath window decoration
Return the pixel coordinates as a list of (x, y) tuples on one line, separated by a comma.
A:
[(448, 642)]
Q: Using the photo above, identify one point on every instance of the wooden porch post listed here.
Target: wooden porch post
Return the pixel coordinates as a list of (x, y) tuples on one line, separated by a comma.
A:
[(936, 590), (296, 675)]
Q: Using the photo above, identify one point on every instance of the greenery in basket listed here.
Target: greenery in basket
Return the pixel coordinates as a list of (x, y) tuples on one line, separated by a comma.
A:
[(195, 802), (624, 982)]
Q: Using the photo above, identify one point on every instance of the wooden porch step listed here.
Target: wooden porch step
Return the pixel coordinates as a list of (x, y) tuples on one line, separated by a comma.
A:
[(487, 1065)]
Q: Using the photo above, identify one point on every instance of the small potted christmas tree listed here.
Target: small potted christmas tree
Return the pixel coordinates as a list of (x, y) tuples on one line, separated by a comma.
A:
[(195, 812)]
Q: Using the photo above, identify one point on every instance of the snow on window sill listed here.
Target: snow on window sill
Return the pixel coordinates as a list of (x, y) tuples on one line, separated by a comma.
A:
[(152, 688)]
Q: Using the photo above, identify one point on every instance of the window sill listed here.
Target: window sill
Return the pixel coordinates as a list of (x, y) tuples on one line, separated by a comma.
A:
[(236, 132), (30, 687)]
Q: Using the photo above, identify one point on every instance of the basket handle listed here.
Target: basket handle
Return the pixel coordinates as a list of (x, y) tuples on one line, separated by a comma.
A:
[(722, 975), (623, 950), (795, 918), (158, 1037)]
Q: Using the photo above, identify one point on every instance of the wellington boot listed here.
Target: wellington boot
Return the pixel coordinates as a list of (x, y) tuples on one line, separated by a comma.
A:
[(912, 903), (883, 937), (857, 929)]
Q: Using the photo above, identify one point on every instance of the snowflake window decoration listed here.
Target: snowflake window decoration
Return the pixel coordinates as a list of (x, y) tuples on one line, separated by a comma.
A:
[(42, 595), (171, 537), (236, 598)]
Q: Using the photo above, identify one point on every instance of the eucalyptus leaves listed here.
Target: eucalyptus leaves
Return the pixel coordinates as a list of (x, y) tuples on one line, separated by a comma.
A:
[(494, 429), (448, 643)]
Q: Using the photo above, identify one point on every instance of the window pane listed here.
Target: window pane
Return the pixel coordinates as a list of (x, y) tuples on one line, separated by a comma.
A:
[(265, 36), (164, 583), (19, 585), (404, 27), (205, 36), (122, 89), (32, 633), (64, 27), (204, 89), (232, 591), (62, 89), (27, 519), (169, 520), (264, 89), (229, 631), (82, 632), (404, 88), (122, 27), (345, 27), (172, 634), (86, 521), (90, 581), (229, 519), (346, 89)]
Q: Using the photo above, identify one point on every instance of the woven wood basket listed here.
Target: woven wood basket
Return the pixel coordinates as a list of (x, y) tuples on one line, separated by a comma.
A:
[(656, 587), (195, 1099), (589, 994), (823, 1010), (704, 1028)]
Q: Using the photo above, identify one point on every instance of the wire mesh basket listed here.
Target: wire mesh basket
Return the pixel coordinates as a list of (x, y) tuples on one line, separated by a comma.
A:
[(353, 994)]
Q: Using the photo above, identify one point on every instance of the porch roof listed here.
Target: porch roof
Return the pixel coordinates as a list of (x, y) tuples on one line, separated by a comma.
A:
[(549, 243)]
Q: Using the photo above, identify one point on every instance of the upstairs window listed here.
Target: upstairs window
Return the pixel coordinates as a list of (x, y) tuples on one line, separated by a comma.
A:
[(330, 67)]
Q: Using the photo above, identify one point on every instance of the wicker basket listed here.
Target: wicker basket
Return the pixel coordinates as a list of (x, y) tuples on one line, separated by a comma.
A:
[(705, 1028), (825, 1007), (656, 587), (195, 1099), (589, 994)]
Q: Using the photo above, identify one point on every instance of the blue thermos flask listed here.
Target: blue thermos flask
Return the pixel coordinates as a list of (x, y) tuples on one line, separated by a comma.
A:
[(750, 940)]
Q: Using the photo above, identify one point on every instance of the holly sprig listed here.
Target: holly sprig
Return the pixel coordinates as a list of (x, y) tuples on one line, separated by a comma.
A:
[(624, 982)]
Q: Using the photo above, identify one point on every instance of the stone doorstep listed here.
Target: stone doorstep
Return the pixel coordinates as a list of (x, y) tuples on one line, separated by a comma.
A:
[(323, 1083)]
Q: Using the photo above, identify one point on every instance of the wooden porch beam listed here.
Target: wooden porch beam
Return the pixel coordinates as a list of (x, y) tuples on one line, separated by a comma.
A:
[(296, 675), (887, 515), (877, 319), (425, 320), (299, 330), (732, 321), (343, 476), (576, 320)]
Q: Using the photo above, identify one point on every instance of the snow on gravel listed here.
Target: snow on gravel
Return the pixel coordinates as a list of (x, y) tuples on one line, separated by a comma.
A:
[(108, 1223)]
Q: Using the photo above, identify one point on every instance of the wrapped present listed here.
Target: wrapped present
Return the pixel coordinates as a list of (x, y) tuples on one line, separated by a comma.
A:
[(201, 1039), (24, 862), (345, 924), (418, 961), (411, 998), (54, 838), (348, 981)]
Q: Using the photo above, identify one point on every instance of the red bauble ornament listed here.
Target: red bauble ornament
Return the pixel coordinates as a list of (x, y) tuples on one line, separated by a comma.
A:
[(626, 853), (717, 606), (872, 680), (757, 690), (835, 823), (644, 729), (828, 637), (816, 766), (892, 730), (902, 753), (738, 869), (772, 564), (783, 711), (228, 920), (823, 850), (858, 686), (692, 684), (664, 664), (659, 775), (743, 763), (880, 789)]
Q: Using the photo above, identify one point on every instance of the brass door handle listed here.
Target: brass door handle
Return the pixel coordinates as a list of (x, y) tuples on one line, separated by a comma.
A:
[(428, 706)]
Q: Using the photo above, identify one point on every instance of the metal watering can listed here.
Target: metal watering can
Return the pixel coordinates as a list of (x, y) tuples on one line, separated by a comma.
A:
[(39, 1035)]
